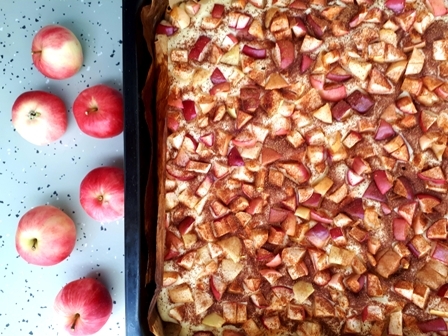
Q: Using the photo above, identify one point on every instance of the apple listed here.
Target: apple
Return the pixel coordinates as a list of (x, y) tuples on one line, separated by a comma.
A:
[(98, 111), (102, 194), (39, 117), (82, 307), (45, 236), (56, 52)]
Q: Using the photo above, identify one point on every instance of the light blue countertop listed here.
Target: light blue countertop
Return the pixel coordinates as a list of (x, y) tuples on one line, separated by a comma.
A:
[(32, 176)]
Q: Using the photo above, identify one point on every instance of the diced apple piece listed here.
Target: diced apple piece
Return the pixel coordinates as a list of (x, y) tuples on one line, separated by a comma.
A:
[(352, 139), (296, 312), (338, 74), (177, 313), (232, 247), (419, 246), (271, 322), (340, 256), (324, 114), (270, 275), (413, 86), (396, 70), (210, 23), (323, 307), (333, 92), (415, 62), (202, 301), (437, 7), (434, 174), (440, 50), (355, 282), (388, 263), (427, 119), (254, 52), (353, 325), (396, 323), (440, 253), (382, 181), (179, 17), (374, 288), (359, 101), (434, 325), (169, 278), (284, 53), (234, 312), (438, 230), (372, 313), (187, 260), (423, 20), (213, 320), (427, 202), (427, 98), (420, 295), (404, 288), (358, 68), (296, 171), (230, 269), (310, 44), (378, 84), (318, 235), (341, 110), (180, 294), (406, 105), (396, 6), (251, 328), (339, 27), (302, 290), (232, 57), (407, 211)]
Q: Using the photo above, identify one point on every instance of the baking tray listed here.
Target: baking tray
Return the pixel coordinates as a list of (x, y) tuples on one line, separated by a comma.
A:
[(138, 153)]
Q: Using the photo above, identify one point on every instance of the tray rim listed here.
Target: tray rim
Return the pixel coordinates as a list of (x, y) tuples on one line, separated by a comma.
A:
[(136, 164)]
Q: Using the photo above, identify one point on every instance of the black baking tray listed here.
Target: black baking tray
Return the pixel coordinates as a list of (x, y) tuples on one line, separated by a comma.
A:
[(138, 151)]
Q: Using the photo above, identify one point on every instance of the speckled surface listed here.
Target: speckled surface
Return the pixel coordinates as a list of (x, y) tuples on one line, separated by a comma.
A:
[(31, 175)]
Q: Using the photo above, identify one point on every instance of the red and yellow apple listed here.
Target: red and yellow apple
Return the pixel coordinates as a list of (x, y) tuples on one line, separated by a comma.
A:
[(39, 117), (56, 52), (98, 111), (45, 236), (83, 306), (102, 194)]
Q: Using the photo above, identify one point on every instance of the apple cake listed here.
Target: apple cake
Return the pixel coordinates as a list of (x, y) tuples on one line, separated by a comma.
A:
[(305, 154)]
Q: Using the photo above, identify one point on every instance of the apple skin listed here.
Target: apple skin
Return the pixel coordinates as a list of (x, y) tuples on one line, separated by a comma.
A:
[(50, 231), (39, 117), (98, 111), (102, 194), (56, 52), (82, 307)]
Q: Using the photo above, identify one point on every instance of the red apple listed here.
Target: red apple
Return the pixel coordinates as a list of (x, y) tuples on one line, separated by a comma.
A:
[(98, 111), (56, 52), (45, 236), (83, 306), (102, 194), (39, 117)]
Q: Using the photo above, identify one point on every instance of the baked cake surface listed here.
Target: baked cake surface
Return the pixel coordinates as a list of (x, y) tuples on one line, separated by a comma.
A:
[(306, 166)]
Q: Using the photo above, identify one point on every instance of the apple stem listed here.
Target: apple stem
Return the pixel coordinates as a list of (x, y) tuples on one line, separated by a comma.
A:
[(74, 322), (33, 114), (91, 109), (34, 244), (36, 52), (100, 198)]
